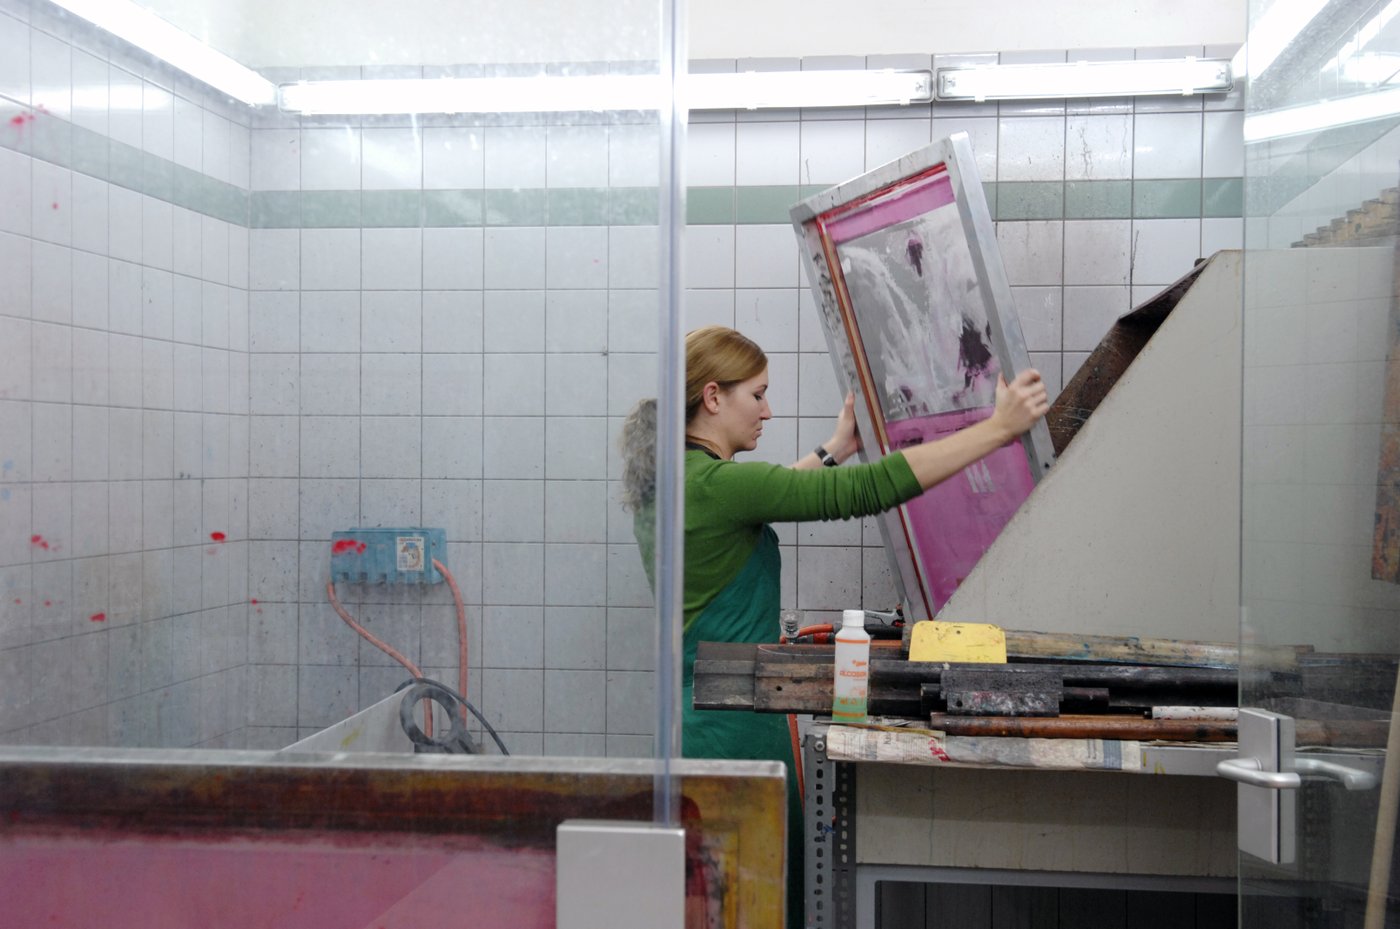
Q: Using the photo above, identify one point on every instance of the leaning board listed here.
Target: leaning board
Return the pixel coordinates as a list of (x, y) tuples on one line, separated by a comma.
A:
[(920, 322)]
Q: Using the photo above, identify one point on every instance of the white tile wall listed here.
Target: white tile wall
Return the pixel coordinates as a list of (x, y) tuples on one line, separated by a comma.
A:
[(1313, 419), (471, 378), (121, 309)]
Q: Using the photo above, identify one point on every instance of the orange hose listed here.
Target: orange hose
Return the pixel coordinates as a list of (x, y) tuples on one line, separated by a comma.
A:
[(809, 630), (393, 653), (461, 633), (384, 647)]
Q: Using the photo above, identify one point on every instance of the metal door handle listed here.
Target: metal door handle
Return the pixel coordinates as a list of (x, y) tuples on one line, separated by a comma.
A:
[(1249, 771), (1351, 778)]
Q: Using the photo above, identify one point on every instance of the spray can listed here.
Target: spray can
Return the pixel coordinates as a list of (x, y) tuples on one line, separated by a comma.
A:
[(852, 685)]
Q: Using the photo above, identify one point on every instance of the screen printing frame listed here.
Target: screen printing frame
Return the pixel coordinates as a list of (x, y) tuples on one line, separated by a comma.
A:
[(889, 199)]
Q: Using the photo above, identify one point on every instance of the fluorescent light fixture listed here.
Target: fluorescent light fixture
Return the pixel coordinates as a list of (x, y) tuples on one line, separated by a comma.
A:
[(180, 50), (540, 94), (1181, 76), (1327, 114), (544, 93), (787, 90)]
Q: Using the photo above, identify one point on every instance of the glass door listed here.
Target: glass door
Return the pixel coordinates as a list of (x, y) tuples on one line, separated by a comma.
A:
[(1321, 503)]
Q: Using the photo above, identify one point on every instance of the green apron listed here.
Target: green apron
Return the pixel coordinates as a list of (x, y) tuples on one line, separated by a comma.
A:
[(746, 610)]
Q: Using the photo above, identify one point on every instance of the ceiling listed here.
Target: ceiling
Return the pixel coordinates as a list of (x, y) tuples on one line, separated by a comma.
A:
[(313, 33)]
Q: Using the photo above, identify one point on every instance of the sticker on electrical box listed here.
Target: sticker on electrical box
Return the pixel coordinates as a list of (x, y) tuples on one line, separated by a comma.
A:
[(409, 549)]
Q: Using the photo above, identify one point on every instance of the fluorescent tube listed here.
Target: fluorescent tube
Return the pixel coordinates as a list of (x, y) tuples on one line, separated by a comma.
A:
[(1327, 114), (789, 90), (541, 94), (1181, 76), (746, 91), (180, 50)]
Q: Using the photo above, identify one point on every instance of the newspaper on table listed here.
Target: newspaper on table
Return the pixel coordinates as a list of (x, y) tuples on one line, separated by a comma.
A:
[(893, 745)]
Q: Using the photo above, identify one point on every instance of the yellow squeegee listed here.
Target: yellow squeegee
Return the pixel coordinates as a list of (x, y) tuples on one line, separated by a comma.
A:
[(980, 643)]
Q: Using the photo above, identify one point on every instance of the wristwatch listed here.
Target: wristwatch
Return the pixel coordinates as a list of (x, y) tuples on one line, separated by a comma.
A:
[(826, 457)]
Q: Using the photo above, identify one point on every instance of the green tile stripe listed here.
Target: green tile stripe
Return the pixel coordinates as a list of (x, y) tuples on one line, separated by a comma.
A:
[(1222, 197), (1030, 200), (709, 206), (453, 208), (381, 209), (765, 204), (576, 206), (319, 209), (66, 145), (1167, 199), (1098, 199), (61, 143), (632, 206)]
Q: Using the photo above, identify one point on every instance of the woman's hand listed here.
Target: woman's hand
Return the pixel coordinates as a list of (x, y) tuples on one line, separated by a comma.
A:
[(844, 442), (1020, 403), (1018, 406)]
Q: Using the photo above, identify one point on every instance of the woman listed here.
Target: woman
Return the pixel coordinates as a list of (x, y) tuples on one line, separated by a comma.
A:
[(732, 566)]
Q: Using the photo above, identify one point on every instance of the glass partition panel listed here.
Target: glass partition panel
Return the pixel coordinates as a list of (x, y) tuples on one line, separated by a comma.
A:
[(91, 838), (245, 350), (1320, 605)]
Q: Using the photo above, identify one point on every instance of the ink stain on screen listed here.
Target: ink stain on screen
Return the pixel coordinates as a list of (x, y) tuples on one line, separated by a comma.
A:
[(915, 251), (974, 354)]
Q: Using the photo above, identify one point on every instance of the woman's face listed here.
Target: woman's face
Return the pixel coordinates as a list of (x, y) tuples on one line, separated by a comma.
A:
[(743, 408)]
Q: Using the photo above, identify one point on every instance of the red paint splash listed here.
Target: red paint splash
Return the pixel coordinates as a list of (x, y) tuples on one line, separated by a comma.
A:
[(254, 601), (48, 603), (38, 541), (55, 204), (98, 617), (345, 546), (217, 536)]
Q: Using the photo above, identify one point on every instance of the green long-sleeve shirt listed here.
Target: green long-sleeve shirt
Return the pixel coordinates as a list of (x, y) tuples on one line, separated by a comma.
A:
[(727, 503)]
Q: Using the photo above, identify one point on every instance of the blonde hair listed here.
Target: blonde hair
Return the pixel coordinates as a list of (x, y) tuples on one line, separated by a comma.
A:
[(712, 353), (719, 354)]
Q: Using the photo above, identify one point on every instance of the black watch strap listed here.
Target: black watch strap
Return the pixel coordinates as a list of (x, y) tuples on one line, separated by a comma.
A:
[(826, 457)]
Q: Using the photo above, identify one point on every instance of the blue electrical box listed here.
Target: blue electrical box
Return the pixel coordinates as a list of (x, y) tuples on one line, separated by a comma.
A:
[(388, 556)]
